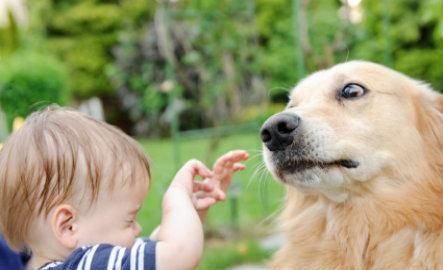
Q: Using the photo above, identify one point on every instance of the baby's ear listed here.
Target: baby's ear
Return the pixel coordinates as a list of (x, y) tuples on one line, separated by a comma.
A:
[(63, 226)]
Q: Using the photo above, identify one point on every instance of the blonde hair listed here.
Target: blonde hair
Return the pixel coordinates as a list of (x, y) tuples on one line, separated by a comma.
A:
[(56, 152)]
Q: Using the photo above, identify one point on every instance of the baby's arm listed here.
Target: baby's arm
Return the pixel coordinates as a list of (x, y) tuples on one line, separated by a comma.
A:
[(180, 235)]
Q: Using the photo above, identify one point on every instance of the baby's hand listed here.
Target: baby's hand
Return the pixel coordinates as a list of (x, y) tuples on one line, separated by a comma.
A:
[(216, 186), (202, 193), (225, 167), (179, 196), (185, 177)]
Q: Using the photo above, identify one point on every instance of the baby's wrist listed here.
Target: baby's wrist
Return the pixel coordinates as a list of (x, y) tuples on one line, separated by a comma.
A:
[(179, 187), (176, 196)]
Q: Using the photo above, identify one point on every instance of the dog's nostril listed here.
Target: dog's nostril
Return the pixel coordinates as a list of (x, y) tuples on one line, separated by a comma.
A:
[(286, 127), (279, 131), (266, 135)]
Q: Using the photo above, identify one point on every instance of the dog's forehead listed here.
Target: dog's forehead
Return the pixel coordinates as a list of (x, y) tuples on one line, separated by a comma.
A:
[(370, 75), (318, 84)]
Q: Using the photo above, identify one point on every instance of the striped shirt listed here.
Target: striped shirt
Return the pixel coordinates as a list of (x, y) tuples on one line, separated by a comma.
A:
[(141, 256)]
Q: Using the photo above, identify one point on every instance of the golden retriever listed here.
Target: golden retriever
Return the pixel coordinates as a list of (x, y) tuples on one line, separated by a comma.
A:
[(360, 150)]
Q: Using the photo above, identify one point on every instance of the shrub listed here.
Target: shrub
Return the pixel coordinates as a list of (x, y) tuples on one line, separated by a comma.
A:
[(29, 82)]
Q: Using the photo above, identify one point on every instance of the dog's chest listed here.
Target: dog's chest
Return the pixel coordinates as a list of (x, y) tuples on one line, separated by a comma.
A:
[(319, 238)]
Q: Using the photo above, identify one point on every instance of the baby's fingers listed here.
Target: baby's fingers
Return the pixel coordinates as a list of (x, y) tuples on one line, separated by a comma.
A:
[(230, 158), (219, 194), (203, 186), (204, 203), (185, 176), (196, 167), (238, 167), (216, 193)]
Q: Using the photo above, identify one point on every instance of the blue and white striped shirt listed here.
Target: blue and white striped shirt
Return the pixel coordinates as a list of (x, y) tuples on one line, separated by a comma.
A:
[(141, 256)]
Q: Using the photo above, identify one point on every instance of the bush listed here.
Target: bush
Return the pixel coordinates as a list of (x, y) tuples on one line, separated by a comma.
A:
[(29, 82), (260, 113)]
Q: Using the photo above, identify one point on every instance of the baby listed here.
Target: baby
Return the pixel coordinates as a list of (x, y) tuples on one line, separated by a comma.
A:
[(71, 187)]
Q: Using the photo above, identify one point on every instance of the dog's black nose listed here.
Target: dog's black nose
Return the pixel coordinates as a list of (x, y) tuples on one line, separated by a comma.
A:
[(279, 131)]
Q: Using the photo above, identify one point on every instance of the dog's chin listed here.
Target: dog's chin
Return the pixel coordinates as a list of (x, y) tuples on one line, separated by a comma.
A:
[(330, 181), (303, 170), (327, 178)]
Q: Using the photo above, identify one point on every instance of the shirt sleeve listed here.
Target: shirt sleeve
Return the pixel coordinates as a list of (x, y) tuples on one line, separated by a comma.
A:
[(8, 258), (141, 256)]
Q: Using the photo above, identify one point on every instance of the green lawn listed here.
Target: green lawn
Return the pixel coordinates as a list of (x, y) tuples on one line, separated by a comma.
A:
[(233, 226)]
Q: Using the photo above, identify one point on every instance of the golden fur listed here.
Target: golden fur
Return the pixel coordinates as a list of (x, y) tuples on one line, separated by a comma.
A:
[(388, 212)]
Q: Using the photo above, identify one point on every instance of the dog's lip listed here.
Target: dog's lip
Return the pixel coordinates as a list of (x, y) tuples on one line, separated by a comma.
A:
[(302, 165)]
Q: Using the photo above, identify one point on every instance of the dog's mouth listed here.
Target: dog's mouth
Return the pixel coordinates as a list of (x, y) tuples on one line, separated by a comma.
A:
[(303, 165)]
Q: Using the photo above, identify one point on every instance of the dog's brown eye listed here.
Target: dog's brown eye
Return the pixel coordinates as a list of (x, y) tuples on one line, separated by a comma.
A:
[(352, 90)]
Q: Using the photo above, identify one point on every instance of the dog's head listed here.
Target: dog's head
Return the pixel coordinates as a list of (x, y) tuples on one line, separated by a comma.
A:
[(352, 127)]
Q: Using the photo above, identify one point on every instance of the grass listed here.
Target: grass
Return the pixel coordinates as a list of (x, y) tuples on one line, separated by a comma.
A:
[(232, 227)]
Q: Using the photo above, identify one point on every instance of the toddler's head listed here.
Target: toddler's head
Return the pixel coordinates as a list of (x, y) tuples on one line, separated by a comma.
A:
[(68, 180)]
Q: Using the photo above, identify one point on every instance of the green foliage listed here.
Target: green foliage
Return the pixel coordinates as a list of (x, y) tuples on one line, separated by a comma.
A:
[(406, 34), (279, 32), (424, 64), (259, 113), (205, 49), (86, 17), (83, 33), (87, 58), (9, 37), (220, 56), (29, 82)]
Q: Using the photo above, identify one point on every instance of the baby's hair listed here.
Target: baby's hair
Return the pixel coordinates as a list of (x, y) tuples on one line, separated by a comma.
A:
[(58, 156)]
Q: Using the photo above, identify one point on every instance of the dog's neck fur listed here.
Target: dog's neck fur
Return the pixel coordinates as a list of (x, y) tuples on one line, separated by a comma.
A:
[(358, 233)]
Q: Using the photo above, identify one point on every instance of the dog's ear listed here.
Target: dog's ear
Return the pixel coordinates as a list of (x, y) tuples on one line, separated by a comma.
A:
[(429, 108), (430, 122), (440, 103), (439, 132)]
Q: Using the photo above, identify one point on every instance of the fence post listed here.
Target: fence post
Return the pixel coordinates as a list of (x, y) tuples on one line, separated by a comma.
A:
[(387, 33), (298, 35), (234, 193), (170, 75)]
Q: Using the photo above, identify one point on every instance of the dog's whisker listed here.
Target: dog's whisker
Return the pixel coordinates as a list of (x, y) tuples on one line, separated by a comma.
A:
[(254, 174), (257, 155), (254, 150), (259, 168), (272, 215)]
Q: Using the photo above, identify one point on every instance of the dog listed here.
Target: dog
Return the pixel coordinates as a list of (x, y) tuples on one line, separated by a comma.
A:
[(359, 148)]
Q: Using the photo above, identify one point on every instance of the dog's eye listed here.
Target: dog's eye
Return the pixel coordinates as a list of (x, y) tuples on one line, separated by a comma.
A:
[(352, 90)]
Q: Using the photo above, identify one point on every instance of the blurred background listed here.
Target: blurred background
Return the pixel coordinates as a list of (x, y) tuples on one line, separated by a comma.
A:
[(195, 78)]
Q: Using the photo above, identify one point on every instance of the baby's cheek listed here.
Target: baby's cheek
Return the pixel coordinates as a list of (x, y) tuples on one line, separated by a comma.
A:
[(128, 241), (138, 229), (132, 234)]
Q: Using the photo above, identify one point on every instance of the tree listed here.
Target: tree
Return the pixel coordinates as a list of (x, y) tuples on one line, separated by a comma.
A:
[(413, 36), (82, 34), (205, 50)]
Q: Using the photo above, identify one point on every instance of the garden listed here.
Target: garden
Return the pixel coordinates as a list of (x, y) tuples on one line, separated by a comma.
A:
[(196, 78)]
